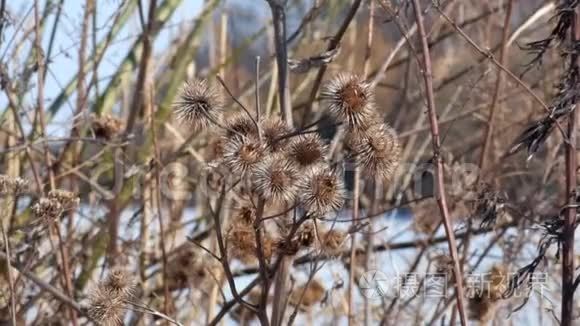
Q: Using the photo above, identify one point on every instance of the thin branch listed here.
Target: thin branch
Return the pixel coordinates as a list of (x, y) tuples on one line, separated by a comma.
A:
[(439, 177)]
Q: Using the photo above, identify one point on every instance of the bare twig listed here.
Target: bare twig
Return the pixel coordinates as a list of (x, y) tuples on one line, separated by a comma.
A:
[(440, 190)]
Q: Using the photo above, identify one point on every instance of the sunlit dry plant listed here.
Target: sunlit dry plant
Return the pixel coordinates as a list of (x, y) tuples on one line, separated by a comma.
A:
[(307, 150), (199, 104), (376, 150), (349, 100), (276, 179), (322, 191)]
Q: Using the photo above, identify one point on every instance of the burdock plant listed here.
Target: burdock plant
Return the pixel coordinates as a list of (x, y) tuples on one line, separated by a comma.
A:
[(282, 182)]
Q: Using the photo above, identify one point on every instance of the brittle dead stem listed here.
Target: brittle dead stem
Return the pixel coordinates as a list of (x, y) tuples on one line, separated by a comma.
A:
[(439, 174)]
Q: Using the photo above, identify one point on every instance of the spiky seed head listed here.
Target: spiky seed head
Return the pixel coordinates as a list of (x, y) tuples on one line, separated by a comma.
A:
[(120, 282), (276, 179), (273, 129), (105, 308), (241, 154), (307, 150), (12, 185), (240, 124), (48, 210), (67, 199), (349, 99), (332, 240), (108, 298), (199, 104), (377, 150), (322, 191)]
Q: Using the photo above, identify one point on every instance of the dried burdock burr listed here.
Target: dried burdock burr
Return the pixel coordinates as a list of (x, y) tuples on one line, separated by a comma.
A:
[(120, 283), (12, 185), (307, 150), (240, 124), (105, 308), (349, 99), (242, 154), (376, 150), (322, 191), (107, 301), (273, 131), (200, 104), (276, 179)]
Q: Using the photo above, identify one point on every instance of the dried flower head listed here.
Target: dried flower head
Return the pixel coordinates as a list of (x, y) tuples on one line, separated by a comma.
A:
[(106, 127), (349, 99), (276, 179), (240, 124), (332, 241), (307, 150), (67, 199), (47, 210), (307, 295), (241, 240), (105, 308), (107, 300), (241, 154), (119, 282), (273, 129), (12, 185), (322, 191), (199, 104), (377, 150)]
